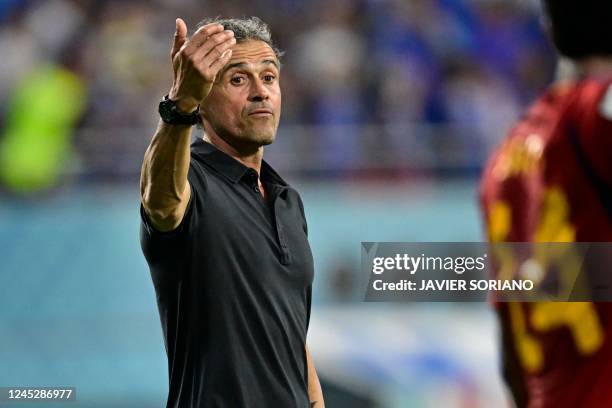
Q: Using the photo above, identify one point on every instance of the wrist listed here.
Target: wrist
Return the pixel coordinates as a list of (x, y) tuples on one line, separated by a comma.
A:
[(185, 105), (171, 113)]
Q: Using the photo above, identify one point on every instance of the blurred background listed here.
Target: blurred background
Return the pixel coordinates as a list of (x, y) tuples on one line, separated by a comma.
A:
[(390, 108)]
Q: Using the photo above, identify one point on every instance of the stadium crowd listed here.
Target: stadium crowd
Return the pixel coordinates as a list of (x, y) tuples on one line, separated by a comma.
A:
[(370, 85)]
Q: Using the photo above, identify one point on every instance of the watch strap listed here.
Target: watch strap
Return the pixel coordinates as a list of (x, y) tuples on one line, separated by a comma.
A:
[(171, 114)]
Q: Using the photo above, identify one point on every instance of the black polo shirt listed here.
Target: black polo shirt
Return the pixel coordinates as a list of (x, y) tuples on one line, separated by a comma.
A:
[(233, 285)]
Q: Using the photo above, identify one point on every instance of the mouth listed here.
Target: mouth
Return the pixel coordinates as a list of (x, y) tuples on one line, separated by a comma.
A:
[(260, 113)]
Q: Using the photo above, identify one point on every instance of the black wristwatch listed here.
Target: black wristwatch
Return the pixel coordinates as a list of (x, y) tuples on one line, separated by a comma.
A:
[(171, 114)]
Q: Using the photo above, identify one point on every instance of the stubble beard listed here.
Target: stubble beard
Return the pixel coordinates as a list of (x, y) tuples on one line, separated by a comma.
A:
[(249, 137), (261, 135)]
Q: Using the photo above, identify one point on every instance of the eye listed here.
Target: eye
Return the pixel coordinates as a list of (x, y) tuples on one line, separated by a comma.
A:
[(237, 80), (269, 78)]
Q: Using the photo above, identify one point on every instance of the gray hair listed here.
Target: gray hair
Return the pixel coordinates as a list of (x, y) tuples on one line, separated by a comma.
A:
[(245, 29)]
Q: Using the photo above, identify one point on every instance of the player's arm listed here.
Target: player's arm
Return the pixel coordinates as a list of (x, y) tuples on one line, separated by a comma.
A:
[(164, 189), (512, 370), (315, 393)]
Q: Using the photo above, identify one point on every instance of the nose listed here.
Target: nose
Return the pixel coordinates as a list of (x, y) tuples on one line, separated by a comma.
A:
[(258, 91)]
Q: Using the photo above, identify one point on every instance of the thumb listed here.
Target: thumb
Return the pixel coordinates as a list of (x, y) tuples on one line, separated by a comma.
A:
[(180, 36)]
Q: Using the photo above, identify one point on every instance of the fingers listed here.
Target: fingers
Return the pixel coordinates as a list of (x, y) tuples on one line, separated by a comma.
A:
[(180, 36), (201, 35), (215, 46), (209, 46), (220, 62)]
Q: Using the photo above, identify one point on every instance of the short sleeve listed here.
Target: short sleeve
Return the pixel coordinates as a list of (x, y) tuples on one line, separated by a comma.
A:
[(165, 250)]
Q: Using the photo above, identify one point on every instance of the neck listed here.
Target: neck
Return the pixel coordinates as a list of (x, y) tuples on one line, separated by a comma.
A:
[(588, 67), (596, 66), (250, 157)]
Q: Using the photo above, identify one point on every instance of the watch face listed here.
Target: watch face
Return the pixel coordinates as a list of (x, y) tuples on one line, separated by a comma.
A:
[(165, 110), (170, 115)]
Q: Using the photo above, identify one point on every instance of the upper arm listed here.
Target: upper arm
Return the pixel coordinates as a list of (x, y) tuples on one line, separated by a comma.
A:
[(186, 214), (165, 250), (512, 370), (167, 218), (164, 186)]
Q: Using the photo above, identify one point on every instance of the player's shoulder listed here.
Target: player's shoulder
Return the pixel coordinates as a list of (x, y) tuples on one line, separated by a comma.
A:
[(584, 101), (594, 96), (594, 87)]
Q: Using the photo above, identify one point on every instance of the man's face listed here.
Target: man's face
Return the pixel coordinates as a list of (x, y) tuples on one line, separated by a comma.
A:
[(244, 104)]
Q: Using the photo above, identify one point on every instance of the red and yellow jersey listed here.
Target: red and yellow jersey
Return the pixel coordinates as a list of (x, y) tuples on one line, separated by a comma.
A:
[(549, 182)]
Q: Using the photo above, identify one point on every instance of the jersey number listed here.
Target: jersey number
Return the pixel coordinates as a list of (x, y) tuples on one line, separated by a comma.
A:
[(580, 318)]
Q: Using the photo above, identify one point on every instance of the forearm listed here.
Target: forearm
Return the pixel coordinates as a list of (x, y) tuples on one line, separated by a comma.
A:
[(164, 189), (315, 393), (512, 371)]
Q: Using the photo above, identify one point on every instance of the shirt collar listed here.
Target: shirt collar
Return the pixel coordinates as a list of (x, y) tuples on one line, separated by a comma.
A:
[(229, 167)]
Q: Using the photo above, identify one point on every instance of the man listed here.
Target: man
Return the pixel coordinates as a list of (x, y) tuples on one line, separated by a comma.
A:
[(223, 234), (550, 181)]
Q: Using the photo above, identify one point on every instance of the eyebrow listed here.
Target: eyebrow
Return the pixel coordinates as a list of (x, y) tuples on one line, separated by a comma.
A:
[(243, 64)]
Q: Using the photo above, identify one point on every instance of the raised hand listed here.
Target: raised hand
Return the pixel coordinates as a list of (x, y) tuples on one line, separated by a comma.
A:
[(196, 62)]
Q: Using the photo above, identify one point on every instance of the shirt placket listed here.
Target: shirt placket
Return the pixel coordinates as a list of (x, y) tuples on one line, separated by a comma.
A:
[(274, 196), (285, 255)]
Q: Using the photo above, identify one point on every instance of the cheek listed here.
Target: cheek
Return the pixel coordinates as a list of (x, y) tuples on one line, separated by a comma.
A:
[(276, 98), (227, 111), (233, 104), (223, 103)]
